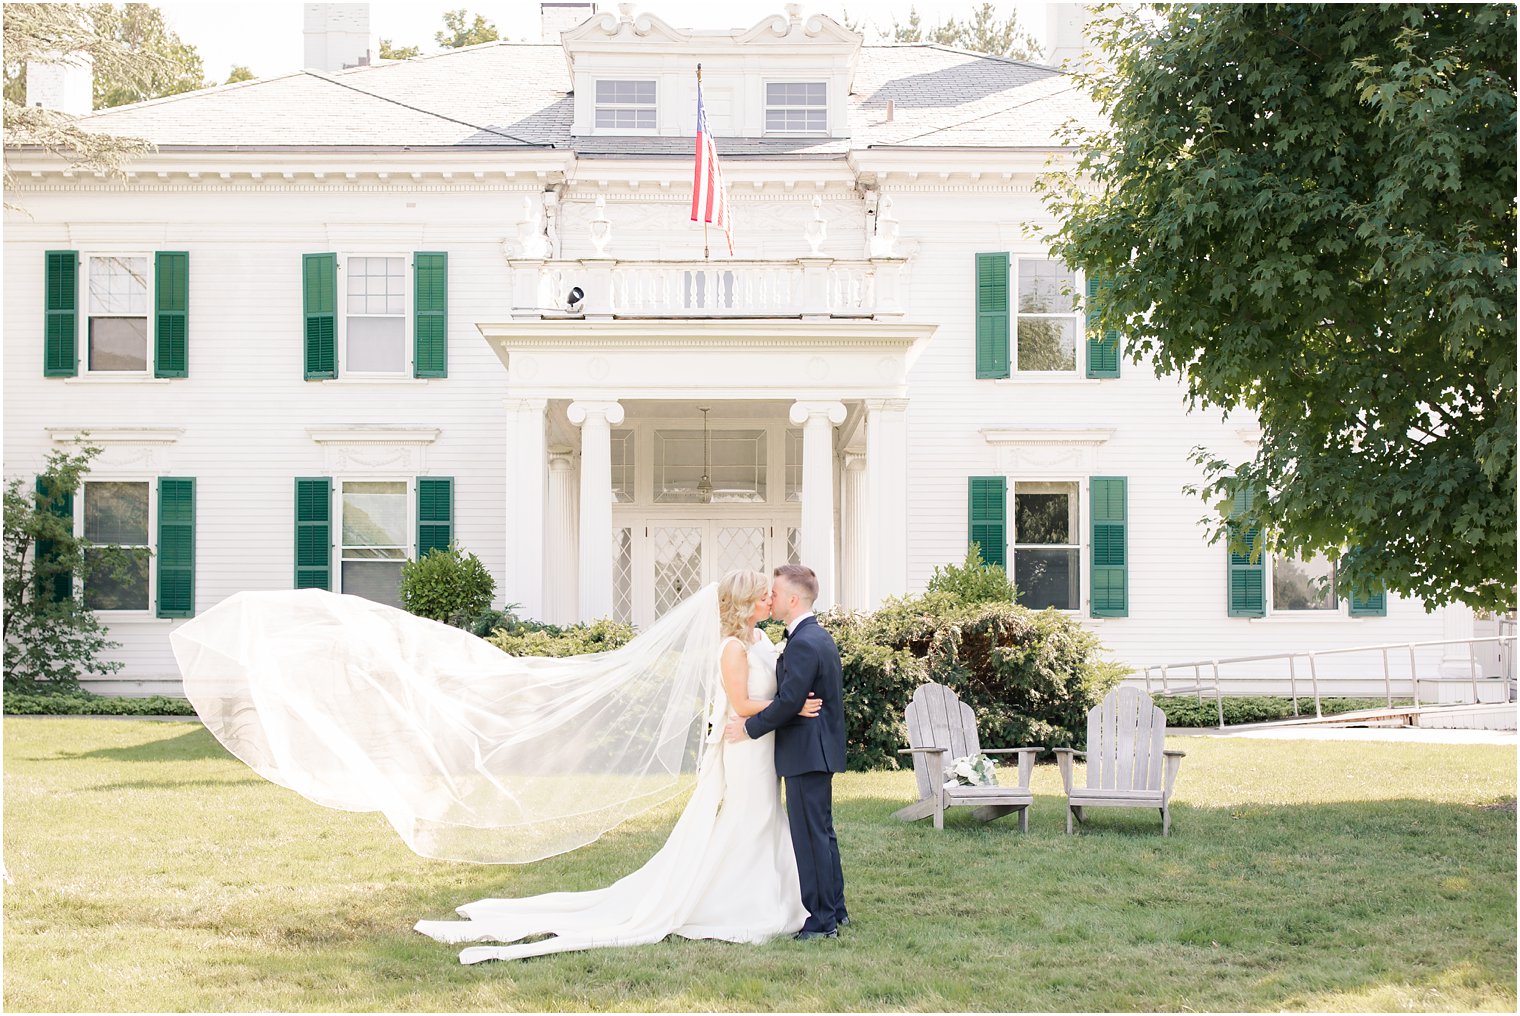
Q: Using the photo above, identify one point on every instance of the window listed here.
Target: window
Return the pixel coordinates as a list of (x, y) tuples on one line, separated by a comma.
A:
[(1304, 584), (374, 320), (1048, 320), (794, 464), (376, 538), (625, 105), (116, 317), (1046, 568), (736, 466), (622, 466), (796, 107), (116, 512)]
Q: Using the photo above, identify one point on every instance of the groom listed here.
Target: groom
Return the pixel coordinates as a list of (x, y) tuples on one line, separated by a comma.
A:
[(808, 753)]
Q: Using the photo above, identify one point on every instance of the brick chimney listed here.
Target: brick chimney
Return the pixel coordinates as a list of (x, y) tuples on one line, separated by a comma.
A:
[(338, 36), (561, 17), (64, 82)]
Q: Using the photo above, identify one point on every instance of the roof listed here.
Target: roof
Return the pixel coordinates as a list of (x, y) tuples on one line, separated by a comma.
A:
[(516, 95)]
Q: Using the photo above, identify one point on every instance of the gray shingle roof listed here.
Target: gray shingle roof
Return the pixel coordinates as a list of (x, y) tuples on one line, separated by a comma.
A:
[(510, 95)]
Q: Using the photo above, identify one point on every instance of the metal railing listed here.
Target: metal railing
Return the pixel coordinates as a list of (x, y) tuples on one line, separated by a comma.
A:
[(1217, 687)]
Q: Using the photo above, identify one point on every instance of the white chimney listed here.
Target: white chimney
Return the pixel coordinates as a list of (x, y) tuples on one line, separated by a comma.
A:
[(338, 36), (1066, 35), (63, 81), (561, 17)]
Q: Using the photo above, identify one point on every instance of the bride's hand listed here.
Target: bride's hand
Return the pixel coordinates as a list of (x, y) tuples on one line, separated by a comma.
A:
[(811, 707)]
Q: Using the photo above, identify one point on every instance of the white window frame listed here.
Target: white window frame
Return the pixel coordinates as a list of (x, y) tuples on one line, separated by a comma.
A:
[(131, 614), (336, 513), (82, 301), (1081, 546), (1342, 610), (1079, 312), (653, 107), (409, 275), (766, 107)]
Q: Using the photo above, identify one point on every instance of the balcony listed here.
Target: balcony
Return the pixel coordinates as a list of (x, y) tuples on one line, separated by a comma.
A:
[(809, 289)]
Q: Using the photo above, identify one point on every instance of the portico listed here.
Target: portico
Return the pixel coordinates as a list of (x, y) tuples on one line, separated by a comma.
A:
[(619, 501)]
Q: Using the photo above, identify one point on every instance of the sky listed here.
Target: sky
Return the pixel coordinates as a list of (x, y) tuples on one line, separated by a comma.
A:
[(266, 37)]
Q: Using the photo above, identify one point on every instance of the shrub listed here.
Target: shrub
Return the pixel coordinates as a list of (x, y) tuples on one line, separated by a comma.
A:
[(974, 580), (83, 703), (51, 638), (1187, 711), (530, 638), (1030, 676), (447, 585)]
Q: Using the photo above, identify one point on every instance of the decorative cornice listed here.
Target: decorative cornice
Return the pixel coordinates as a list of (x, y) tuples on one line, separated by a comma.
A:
[(114, 435), (1089, 436), (785, 333), (366, 434)]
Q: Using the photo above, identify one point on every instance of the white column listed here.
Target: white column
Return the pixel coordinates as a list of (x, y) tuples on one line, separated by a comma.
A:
[(887, 496), (855, 584), (818, 420), (596, 420), (526, 467), (560, 575)]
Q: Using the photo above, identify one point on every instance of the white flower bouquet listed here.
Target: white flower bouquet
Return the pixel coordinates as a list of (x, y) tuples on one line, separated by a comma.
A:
[(971, 771)]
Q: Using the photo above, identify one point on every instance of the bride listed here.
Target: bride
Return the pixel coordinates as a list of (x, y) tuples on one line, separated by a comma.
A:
[(475, 755)]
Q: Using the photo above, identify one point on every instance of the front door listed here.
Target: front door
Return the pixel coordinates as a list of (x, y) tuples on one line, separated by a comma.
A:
[(663, 561)]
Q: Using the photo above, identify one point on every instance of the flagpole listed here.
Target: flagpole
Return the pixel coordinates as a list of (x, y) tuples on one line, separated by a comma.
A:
[(705, 254)]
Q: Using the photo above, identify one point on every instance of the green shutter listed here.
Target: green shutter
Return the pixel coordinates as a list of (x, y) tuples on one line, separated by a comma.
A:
[(435, 513), (319, 286), (176, 546), (62, 586), (171, 304), (1375, 605), (1110, 546), (313, 532), (1247, 569), (430, 331), (60, 356), (1102, 347), (987, 522), (992, 330)]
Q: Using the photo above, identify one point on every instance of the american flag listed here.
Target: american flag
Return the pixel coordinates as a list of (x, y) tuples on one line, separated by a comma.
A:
[(709, 198)]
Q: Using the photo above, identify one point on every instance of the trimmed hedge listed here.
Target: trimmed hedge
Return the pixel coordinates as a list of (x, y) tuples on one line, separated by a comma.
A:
[(1187, 711), (83, 703), (1030, 676), (530, 638)]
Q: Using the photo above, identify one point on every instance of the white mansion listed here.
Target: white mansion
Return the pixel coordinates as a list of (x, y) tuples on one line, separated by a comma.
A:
[(342, 316)]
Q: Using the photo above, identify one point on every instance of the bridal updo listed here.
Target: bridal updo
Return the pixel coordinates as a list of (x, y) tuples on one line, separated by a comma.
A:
[(738, 592)]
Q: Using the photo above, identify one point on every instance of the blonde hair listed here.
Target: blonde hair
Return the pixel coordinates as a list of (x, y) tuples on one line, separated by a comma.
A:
[(738, 592)]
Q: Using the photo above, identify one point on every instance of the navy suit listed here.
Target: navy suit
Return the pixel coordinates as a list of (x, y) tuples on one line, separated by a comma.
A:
[(808, 754)]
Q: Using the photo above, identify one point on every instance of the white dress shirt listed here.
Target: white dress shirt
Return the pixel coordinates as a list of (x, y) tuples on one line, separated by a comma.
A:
[(796, 621)]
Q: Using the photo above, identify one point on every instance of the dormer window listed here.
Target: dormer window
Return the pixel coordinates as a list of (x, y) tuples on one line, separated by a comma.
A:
[(625, 105), (796, 107)]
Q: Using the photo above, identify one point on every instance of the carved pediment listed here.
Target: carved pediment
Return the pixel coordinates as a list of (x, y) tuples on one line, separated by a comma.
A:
[(820, 28), (625, 27)]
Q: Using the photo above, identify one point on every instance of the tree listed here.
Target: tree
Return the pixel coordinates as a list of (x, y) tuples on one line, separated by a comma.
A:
[(33, 31), (141, 28), (388, 51), (457, 32), (51, 638), (984, 32), (240, 73), (1307, 213)]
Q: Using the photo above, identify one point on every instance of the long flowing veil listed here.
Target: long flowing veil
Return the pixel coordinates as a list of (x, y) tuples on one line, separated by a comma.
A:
[(471, 754)]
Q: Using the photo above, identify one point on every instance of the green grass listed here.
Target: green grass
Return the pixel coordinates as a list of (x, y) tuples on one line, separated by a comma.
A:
[(152, 871)]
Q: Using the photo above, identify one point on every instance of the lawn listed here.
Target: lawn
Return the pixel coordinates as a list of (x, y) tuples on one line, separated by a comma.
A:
[(153, 871)]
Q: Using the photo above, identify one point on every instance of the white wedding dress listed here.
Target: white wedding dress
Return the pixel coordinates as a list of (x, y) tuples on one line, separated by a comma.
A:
[(726, 872)]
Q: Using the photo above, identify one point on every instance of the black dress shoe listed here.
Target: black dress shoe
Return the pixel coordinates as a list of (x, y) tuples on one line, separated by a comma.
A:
[(804, 935), (844, 922)]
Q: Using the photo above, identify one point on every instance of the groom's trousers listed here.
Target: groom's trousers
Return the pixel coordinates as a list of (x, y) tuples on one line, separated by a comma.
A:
[(810, 812)]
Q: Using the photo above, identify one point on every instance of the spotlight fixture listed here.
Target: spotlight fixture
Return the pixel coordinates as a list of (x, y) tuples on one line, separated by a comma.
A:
[(575, 297)]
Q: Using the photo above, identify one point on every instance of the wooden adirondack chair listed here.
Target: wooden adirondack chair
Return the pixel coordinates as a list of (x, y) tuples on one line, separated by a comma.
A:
[(1127, 764), (942, 728)]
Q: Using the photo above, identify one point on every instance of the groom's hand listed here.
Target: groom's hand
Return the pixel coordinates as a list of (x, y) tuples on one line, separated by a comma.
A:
[(734, 732)]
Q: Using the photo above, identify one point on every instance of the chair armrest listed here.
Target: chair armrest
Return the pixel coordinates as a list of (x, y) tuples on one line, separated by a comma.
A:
[(1173, 761), (1010, 751), (1069, 751), (909, 751), (1175, 754), (1064, 758), (1025, 761)]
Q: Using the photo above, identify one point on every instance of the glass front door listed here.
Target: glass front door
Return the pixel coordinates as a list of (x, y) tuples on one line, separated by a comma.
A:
[(660, 562)]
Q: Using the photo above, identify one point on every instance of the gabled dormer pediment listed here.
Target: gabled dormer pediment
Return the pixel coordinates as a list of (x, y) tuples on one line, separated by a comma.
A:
[(786, 76)]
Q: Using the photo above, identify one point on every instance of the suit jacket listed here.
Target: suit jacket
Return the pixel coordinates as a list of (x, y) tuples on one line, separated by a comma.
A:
[(809, 663)]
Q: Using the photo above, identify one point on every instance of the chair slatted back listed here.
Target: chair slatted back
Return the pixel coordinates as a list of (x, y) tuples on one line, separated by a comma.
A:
[(937, 718), (1126, 734)]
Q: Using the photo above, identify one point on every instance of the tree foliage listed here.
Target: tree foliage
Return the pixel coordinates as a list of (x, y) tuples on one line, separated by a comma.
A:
[(240, 73), (973, 580), (1307, 212), (175, 66), (390, 51), (982, 32), (50, 640), (460, 31)]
